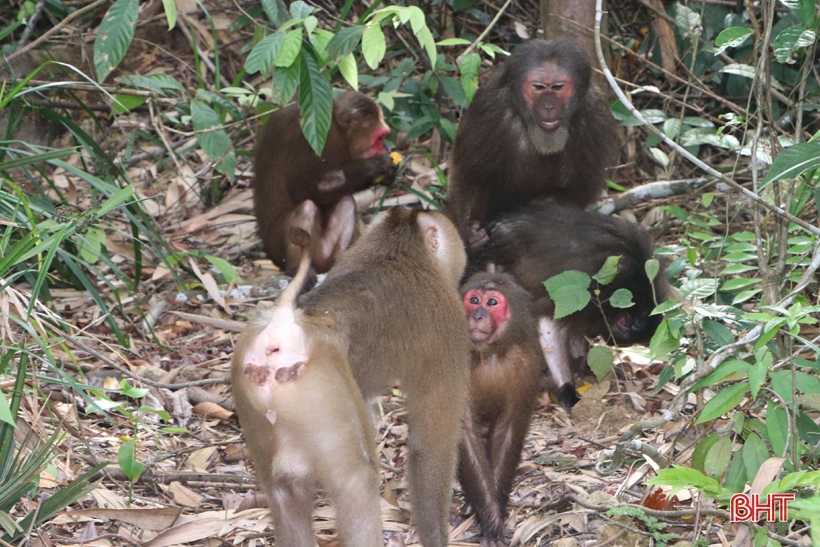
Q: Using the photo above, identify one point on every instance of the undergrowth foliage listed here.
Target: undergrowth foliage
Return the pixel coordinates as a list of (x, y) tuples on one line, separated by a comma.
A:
[(740, 94)]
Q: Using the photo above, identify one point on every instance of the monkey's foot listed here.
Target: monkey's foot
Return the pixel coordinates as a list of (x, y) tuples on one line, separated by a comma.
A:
[(567, 396), (498, 540)]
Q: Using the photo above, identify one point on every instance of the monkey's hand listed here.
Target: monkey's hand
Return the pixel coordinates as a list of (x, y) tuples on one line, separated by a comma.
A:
[(381, 168), (478, 237)]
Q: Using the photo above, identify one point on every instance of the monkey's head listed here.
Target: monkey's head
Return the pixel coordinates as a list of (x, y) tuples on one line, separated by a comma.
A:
[(363, 124), (490, 300), (547, 81)]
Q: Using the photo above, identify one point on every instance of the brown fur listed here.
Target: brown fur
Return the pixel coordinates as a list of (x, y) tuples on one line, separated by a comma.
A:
[(496, 164), (295, 188), (504, 387)]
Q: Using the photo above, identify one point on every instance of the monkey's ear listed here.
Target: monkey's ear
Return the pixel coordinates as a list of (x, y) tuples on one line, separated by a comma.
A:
[(432, 238)]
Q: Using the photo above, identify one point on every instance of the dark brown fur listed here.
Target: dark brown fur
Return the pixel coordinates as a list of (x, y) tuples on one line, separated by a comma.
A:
[(540, 241), (504, 388), (495, 167), (293, 187), (393, 297)]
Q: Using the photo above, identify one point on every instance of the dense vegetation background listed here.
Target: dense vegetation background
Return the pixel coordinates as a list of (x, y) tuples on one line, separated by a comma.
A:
[(125, 156)]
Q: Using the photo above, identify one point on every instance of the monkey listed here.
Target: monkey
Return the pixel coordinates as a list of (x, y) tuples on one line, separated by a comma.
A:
[(390, 310), (305, 421), (293, 187), (504, 385), (541, 240), (535, 131)]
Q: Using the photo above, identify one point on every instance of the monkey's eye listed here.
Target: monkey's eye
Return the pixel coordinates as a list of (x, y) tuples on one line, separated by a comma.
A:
[(539, 86), (492, 302), (475, 300), (558, 87)]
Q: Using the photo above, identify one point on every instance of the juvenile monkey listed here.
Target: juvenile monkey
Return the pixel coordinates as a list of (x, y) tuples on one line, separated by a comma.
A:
[(293, 187), (390, 311), (305, 421), (506, 367)]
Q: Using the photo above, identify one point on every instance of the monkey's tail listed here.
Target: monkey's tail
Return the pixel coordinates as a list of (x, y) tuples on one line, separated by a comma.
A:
[(300, 238)]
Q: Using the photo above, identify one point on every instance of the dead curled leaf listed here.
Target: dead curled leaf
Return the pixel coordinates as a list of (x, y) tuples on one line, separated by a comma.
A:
[(212, 410)]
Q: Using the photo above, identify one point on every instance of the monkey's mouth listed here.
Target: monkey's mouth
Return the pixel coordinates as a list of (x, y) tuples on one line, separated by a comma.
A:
[(478, 335), (549, 127)]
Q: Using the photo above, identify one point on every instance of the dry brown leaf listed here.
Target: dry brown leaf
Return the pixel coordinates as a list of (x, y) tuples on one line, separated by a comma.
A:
[(212, 410), (145, 519), (183, 495), (766, 474), (210, 285)]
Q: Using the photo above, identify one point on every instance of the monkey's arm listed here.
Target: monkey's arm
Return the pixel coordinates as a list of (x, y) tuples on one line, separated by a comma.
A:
[(355, 176)]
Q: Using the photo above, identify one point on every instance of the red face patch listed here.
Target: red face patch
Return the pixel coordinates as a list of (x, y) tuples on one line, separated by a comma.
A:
[(548, 90), (377, 145), (487, 314)]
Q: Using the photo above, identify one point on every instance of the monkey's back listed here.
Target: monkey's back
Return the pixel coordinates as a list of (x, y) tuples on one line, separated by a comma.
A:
[(287, 172)]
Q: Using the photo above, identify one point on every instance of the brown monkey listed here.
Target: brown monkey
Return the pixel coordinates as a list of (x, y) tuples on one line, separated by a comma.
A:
[(390, 309), (539, 241), (305, 421), (295, 188), (506, 366), (535, 130)]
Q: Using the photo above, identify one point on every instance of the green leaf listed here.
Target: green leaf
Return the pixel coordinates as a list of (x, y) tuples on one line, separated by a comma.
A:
[(608, 271), (652, 267), (732, 367), (698, 288), (803, 9), (212, 138), (127, 458), (373, 45), (723, 402), (276, 10), (569, 277), (754, 454), (90, 244), (569, 299), (731, 37), (264, 53), (225, 268), (777, 426), (758, 372), (469, 74), (349, 69), (600, 360), (454, 42), (683, 477), (170, 8), (718, 458), (134, 392), (315, 102), (300, 10), (345, 42), (285, 81), (740, 283), (702, 449), (114, 35), (158, 83), (5, 411), (792, 40), (621, 298), (718, 332), (736, 476), (794, 161), (291, 46), (423, 34)]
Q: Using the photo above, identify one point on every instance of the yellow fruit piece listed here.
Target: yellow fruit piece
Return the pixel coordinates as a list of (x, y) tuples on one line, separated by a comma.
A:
[(396, 157)]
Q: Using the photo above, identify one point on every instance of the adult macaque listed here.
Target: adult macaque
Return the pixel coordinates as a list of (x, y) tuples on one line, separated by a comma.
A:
[(540, 241), (390, 310), (535, 130), (506, 366), (305, 421), (293, 187)]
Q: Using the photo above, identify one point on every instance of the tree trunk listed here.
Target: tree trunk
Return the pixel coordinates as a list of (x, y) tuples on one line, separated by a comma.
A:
[(575, 19)]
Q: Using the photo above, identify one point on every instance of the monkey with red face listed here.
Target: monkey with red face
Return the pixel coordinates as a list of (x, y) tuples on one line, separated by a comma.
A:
[(535, 131), (504, 385), (295, 188)]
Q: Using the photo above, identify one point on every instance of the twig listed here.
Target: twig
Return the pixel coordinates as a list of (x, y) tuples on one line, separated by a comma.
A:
[(48, 33), (32, 22), (481, 36)]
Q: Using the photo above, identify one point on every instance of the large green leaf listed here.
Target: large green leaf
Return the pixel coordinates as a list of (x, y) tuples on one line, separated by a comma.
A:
[(569, 291), (803, 9), (373, 45), (114, 36), (794, 161), (315, 101), (291, 46), (731, 37), (723, 402), (754, 454), (792, 40), (285, 82), (345, 42), (469, 75), (264, 53), (777, 426), (212, 138)]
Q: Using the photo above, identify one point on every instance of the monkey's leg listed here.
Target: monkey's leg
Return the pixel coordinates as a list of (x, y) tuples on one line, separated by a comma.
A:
[(355, 495), (475, 474), (338, 232), (291, 505), (435, 413), (554, 343)]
